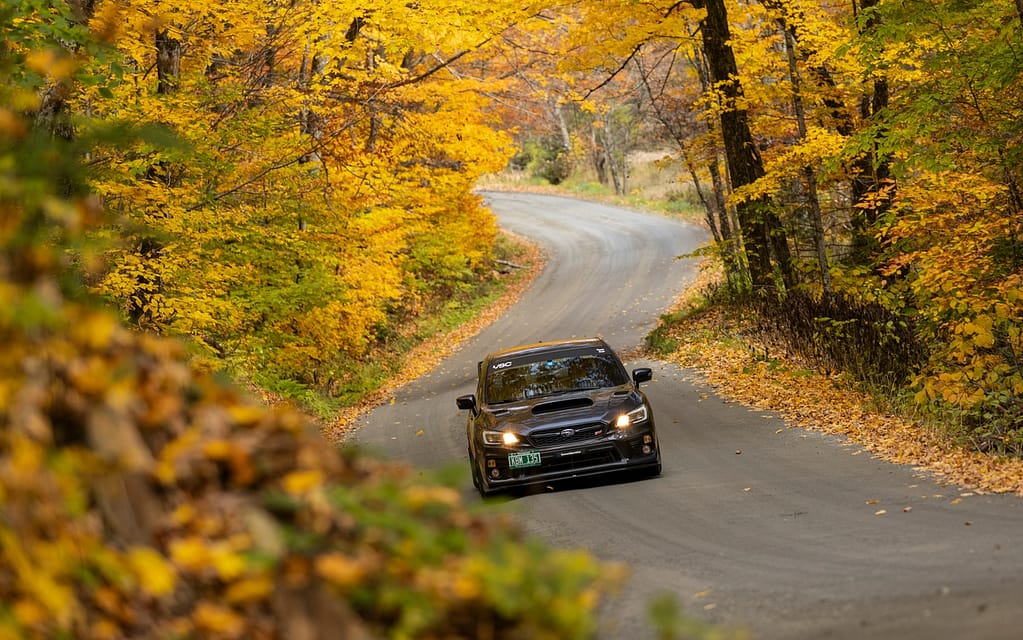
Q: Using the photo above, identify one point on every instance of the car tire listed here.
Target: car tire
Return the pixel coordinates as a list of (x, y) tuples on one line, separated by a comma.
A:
[(654, 471), (475, 473), (481, 486), (477, 481), (484, 492)]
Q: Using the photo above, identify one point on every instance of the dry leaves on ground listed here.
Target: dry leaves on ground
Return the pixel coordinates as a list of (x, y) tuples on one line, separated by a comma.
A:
[(822, 403)]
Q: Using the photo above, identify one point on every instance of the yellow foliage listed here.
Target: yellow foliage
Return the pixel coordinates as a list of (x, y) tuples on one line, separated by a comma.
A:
[(255, 252), (419, 497), (218, 621), (192, 554), (154, 575), (300, 482), (952, 222), (246, 590), (340, 570), (227, 561)]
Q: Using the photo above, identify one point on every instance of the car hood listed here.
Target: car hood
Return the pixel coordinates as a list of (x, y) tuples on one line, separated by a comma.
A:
[(600, 405)]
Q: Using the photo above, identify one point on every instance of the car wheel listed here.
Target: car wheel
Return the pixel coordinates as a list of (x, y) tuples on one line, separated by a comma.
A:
[(655, 470), (484, 492), (478, 481), (481, 484), (475, 473)]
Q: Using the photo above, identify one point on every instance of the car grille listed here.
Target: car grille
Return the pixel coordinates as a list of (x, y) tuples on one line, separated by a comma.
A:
[(562, 436)]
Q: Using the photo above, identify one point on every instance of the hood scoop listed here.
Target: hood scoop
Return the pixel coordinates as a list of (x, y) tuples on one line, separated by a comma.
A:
[(562, 405)]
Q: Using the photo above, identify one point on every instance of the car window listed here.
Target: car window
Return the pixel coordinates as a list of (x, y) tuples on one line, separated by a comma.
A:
[(511, 381)]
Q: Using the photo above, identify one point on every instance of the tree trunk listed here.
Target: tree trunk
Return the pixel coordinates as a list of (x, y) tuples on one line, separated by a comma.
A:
[(762, 230), (53, 113), (168, 62), (809, 175), (599, 158), (872, 172), (566, 136)]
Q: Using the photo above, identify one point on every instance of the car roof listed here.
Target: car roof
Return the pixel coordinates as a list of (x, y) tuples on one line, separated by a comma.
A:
[(538, 348)]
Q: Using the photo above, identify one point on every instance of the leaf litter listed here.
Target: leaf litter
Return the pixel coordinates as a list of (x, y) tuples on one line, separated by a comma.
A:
[(706, 343)]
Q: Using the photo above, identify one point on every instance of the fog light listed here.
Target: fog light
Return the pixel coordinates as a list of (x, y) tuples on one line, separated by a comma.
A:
[(494, 473), (647, 439), (491, 463), (647, 449)]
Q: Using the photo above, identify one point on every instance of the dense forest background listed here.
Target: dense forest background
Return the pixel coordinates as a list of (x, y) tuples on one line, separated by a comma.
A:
[(858, 164), (288, 187)]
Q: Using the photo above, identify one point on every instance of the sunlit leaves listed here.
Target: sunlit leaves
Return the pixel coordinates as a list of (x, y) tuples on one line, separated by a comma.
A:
[(330, 152), (237, 508), (948, 241)]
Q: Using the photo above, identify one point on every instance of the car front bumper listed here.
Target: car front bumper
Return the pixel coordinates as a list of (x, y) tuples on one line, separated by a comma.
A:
[(605, 456)]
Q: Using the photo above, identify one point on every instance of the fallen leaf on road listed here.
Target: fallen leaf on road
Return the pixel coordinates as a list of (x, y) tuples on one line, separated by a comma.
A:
[(880, 512)]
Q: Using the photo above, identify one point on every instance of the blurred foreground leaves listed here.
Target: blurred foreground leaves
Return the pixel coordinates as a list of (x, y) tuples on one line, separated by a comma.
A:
[(142, 497)]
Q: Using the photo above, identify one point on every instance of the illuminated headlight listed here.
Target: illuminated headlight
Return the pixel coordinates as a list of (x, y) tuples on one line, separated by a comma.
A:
[(496, 438), (633, 417)]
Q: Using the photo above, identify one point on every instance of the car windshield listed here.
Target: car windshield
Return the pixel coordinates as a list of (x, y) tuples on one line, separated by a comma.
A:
[(511, 381)]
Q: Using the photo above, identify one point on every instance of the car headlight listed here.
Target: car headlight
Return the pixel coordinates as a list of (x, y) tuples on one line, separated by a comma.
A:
[(635, 416), (497, 438)]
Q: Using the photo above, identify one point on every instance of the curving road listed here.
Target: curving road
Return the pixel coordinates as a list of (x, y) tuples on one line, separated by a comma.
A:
[(752, 524)]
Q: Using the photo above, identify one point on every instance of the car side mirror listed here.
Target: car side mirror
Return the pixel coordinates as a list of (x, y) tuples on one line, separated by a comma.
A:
[(643, 374), (466, 403)]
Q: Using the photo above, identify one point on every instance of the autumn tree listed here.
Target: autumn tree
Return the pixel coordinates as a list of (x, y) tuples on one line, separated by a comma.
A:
[(954, 124), (870, 156), (321, 197), (142, 496), (872, 184)]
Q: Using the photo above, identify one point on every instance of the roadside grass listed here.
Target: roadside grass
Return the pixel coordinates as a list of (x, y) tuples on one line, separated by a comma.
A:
[(650, 190), (413, 348), (438, 333)]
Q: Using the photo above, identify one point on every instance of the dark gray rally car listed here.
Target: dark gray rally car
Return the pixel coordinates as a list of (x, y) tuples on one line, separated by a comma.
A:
[(557, 410)]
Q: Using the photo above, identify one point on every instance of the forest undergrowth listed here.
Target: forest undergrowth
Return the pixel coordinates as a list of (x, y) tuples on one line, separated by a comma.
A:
[(726, 353)]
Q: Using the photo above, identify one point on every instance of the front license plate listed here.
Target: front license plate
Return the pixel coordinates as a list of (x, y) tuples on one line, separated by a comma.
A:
[(523, 459)]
